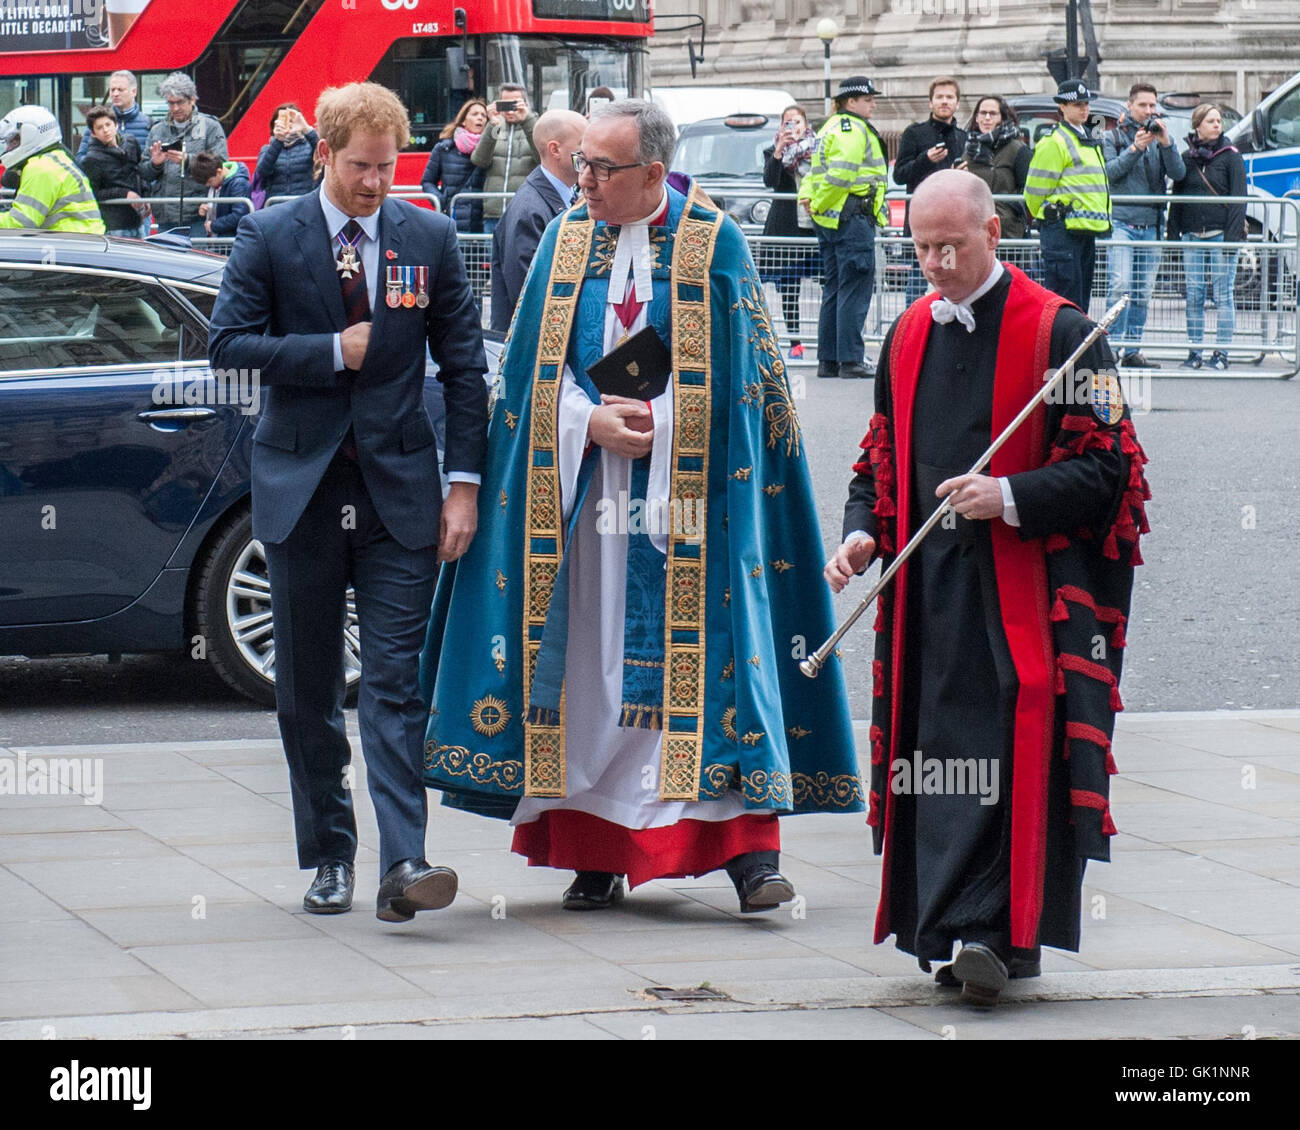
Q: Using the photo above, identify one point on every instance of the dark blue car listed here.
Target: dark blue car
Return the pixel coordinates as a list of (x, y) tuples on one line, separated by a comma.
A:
[(124, 462)]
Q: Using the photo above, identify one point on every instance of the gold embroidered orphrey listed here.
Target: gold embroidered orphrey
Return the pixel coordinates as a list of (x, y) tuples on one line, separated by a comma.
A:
[(544, 740), (684, 644)]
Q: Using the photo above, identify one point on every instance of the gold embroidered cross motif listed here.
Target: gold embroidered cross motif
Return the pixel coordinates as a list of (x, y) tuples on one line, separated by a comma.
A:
[(511, 419), (742, 473), (501, 581), (773, 489), (797, 732), (752, 737), (781, 566)]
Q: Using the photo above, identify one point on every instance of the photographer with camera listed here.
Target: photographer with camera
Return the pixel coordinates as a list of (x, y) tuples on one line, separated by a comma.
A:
[(1140, 155), (1068, 194)]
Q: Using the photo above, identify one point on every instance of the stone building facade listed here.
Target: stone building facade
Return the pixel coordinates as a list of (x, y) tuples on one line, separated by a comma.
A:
[(1231, 50)]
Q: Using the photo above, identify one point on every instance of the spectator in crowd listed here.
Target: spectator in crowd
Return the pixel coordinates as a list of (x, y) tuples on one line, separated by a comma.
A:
[(506, 150), (1139, 154), (785, 163), (924, 148), (594, 99), (450, 170), (1213, 168), (185, 133), (130, 118), (285, 166), (546, 192), (996, 153), (112, 165), (223, 179)]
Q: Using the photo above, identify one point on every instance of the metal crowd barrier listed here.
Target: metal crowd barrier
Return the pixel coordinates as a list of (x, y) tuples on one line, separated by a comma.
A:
[(1264, 287)]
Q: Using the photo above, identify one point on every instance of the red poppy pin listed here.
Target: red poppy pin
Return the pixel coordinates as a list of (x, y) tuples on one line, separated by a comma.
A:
[(390, 254)]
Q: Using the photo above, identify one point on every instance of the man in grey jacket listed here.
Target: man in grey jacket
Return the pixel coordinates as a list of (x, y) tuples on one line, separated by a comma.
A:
[(1139, 154), (172, 143), (506, 150)]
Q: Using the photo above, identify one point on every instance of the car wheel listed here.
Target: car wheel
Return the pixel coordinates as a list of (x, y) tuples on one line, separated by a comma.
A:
[(232, 610)]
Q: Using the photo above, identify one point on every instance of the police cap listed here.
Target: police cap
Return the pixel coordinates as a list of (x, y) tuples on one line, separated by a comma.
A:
[(855, 84), (1072, 90)]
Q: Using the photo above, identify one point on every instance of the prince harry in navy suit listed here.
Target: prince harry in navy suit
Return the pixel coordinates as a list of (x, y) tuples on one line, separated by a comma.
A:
[(333, 299)]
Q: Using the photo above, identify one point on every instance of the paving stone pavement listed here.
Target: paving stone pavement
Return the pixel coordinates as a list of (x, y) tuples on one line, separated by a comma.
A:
[(172, 908)]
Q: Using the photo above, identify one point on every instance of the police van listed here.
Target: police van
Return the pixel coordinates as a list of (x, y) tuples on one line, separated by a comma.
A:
[(1269, 140)]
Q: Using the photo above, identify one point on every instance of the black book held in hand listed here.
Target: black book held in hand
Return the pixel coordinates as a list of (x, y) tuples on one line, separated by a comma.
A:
[(638, 369)]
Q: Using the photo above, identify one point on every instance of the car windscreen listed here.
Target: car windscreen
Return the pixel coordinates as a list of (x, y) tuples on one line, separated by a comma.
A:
[(723, 152)]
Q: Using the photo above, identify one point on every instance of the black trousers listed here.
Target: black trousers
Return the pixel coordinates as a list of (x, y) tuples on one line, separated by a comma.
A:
[(340, 540)]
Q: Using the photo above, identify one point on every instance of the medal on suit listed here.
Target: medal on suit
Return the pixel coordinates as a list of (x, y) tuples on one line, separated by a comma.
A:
[(393, 291), (422, 287), (348, 263), (408, 294)]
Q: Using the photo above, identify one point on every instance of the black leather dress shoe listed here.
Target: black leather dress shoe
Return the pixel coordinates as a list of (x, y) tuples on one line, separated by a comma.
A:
[(593, 890), (827, 369), (1017, 967), (850, 372), (412, 885), (763, 888), (331, 890), (983, 975)]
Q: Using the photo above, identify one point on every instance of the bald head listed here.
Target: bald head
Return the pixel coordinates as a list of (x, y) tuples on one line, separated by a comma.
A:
[(556, 135), (955, 229), (952, 190)]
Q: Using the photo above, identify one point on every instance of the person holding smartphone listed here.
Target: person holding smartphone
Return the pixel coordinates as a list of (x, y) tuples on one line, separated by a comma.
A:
[(506, 149), (186, 132), (925, 148), (286, 163)]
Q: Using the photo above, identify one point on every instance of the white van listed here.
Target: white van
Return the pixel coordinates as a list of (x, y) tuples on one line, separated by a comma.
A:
[(687, 104)]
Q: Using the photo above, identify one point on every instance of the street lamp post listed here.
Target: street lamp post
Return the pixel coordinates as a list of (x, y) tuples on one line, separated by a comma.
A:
[(826, 32)]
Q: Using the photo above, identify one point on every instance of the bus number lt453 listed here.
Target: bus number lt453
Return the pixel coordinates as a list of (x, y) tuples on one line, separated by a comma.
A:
[(424, 29)]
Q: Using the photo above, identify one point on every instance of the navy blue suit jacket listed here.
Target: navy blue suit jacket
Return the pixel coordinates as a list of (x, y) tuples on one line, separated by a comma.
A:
[(515, 240), (279, 308)]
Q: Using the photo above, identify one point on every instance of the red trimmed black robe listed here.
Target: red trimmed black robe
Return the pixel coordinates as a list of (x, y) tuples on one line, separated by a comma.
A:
[(996, 646)]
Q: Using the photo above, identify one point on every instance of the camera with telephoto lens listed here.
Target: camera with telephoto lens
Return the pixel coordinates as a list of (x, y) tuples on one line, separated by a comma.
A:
[(971, 153)]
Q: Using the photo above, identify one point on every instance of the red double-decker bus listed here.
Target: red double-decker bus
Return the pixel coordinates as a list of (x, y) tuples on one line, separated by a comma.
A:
[(249, 56)]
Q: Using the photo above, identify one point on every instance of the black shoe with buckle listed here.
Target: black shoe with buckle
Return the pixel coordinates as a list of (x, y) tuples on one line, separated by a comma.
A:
[(412, 885), (1138, 360), (593, 890), (331, 890), (982, 973)]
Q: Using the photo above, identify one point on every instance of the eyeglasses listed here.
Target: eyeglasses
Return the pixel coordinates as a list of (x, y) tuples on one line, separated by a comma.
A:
[(599, 169), (989, 114), (179, 101)]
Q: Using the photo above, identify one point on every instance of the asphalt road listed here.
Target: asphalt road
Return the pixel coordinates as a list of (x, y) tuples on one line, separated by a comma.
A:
[(1216, 609)]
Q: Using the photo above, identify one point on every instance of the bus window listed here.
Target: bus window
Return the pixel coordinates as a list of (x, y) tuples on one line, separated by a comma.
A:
[(245, 53), (418, 70), (557, 73)]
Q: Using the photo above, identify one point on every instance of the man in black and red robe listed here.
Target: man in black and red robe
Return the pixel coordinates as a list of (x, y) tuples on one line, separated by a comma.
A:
[(999, 643)]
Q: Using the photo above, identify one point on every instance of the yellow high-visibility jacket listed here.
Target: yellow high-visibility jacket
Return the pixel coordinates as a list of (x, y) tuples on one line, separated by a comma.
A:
[(849, 161), (53, 195), (1067, 170)]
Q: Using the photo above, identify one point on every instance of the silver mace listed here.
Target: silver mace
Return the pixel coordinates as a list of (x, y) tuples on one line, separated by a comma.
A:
[(817, 660)]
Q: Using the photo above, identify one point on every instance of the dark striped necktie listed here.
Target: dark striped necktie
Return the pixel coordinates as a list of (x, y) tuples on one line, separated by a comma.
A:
[(356, 306), (356, 298)]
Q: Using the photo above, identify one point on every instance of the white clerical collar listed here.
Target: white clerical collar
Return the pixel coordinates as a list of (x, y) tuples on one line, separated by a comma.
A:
[(944, 311), (633, 256), (336, 220)]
